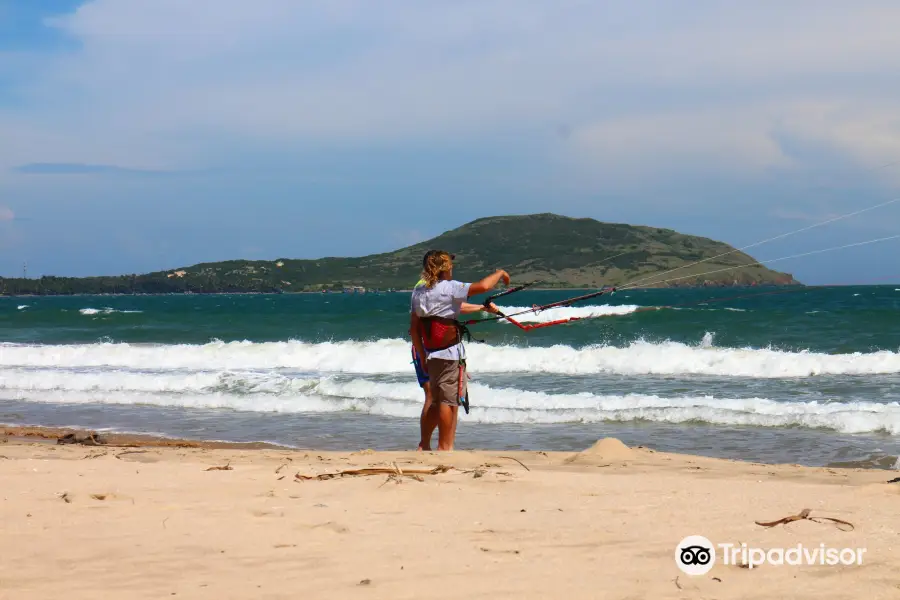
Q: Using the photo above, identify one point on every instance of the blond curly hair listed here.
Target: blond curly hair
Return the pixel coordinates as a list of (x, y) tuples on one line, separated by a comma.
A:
[(436, 262)]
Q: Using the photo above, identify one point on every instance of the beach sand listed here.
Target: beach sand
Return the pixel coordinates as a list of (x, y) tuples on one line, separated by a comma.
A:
[(137, 518)]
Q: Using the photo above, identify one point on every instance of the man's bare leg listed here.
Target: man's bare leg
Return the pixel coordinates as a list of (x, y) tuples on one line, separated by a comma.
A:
[(447, 426), (465, 393), (428, 421), (455, 423)]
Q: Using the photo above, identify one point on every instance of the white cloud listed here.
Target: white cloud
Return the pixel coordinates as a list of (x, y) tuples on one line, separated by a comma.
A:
[(746, 138), (166, 83), (866, 129), (658, 141)]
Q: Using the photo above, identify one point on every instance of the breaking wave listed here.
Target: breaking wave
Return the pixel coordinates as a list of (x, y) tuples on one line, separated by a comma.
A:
[(567, 312), (386, 356), (278, 393)]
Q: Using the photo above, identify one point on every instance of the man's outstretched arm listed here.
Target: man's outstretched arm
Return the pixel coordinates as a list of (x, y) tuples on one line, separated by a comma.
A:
[(468, 307), (480, 287)]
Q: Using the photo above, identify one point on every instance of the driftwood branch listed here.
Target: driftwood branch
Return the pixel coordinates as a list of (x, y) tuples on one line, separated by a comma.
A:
[(804, 515), (395, 470)]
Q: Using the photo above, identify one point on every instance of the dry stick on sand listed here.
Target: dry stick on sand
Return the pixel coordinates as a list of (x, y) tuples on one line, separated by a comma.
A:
[(480, 470), (517, 460), (397, 476), (227, 467), (120, 454), (804, 514), (375, 471)]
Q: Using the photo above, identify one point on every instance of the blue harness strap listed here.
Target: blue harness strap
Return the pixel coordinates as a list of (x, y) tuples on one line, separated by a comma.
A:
[(421, 373)]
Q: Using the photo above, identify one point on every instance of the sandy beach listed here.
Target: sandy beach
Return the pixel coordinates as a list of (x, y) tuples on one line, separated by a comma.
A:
[(143, 518)]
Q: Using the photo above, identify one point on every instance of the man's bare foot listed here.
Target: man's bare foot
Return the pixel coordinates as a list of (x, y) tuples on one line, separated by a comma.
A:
[(421, 449)]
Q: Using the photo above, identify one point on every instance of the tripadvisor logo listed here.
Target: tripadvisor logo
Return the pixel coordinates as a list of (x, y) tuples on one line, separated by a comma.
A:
[(696, 555)]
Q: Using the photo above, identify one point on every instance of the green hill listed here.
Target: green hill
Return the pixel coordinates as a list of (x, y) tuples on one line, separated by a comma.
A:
[(554, 250)]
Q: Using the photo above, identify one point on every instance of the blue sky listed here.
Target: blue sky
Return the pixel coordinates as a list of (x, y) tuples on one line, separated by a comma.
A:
[(140, 135)]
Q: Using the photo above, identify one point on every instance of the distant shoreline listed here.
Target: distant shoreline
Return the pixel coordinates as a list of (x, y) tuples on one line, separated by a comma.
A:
[(409, 291)]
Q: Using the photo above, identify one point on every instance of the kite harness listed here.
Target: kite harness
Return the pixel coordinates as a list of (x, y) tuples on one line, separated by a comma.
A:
[(441, 333)]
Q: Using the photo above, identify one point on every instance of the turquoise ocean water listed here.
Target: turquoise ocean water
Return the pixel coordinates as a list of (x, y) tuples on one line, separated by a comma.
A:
[(807, 377)]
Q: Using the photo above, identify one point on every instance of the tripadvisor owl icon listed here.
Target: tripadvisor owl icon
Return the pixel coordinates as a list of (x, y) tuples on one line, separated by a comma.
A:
[(695, 555)]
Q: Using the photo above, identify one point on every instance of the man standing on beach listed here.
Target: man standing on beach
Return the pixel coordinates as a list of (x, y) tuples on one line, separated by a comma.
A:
[(436, 307)]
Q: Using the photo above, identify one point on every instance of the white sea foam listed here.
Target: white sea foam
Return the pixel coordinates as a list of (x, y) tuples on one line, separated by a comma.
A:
[(270, 392), (567, 312), (393, 356), (22, 306), (106, 311)]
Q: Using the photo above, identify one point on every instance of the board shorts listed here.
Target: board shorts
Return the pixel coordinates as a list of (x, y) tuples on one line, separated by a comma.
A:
[(421, 373), (448, 381)]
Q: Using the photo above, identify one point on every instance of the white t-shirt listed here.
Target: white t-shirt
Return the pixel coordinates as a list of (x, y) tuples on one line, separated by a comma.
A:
[(445, 299)]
